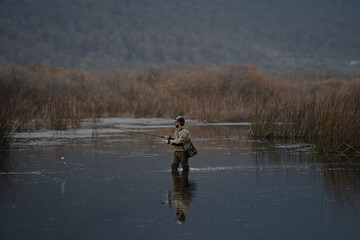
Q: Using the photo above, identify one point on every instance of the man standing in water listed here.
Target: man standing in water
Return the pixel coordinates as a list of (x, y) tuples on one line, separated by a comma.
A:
[(180, 141)]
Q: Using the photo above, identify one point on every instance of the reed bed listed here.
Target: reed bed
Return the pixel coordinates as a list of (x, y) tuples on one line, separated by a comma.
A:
[(327, 114), (60, 98), (317, 108), (13, 117)]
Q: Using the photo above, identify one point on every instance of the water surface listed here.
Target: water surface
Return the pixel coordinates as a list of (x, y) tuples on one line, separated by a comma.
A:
[(105, 181)]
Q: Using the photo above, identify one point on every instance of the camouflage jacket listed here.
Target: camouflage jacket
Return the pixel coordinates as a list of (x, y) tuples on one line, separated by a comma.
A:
[(181, 139)]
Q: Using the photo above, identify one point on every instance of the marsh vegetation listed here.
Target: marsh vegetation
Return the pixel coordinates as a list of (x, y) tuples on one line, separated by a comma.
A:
[(323, 109)]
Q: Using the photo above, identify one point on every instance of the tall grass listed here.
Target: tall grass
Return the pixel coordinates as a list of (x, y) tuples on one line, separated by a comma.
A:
[(60, 98), (13, 117), (318, 108), (327, 114)]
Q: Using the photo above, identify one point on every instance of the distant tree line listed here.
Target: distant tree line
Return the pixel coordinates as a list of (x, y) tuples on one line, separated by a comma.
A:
[(275, 35)]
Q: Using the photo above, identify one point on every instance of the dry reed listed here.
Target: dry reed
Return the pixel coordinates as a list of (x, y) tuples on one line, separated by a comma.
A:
[(319, 109), (328, 115)]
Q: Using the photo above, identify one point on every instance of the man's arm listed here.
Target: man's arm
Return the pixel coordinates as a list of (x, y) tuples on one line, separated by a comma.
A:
[(183, 138)]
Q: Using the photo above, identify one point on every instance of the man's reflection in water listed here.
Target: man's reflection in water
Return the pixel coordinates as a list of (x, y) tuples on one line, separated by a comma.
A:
[(4, 161), (183, 191), (5, 166)]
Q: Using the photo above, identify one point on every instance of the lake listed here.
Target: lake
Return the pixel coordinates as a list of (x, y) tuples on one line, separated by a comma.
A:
[(109, 180)]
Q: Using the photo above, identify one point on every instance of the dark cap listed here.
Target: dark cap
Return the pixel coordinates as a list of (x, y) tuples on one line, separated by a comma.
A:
[(181, 120)]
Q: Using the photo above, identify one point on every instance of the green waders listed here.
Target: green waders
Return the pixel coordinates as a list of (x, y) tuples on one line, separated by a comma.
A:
[(179, 157)]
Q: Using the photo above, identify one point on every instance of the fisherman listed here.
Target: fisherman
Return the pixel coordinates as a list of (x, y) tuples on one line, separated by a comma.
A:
[(180, 141)]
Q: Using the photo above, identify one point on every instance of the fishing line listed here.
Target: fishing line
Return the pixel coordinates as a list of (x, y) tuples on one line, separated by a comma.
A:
[(132, 131), (57, 162), (39, 172), (63, 161)]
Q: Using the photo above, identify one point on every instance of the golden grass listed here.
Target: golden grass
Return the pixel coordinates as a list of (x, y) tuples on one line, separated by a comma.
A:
[(320, 109), (326, 114), (13, 117)]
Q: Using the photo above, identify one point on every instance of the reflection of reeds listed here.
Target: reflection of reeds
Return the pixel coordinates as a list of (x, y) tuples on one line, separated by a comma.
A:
[(342, 179), (321, 109)]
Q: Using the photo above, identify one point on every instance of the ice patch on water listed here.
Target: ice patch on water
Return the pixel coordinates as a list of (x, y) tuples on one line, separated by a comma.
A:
[(305, 148), (245, 168), (214, 169), (20, 173), (110, 130), (210, 169), (31, 173), (220, 168), (138, 122), (225, 124)]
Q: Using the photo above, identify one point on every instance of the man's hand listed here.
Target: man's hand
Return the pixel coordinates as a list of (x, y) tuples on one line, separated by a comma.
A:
[(168, 138)]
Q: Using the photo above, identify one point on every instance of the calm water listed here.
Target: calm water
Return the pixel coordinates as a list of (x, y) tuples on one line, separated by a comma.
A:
[(112, 184)]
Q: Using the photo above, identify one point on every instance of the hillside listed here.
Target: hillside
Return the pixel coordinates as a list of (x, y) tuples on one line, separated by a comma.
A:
[(274, 35)]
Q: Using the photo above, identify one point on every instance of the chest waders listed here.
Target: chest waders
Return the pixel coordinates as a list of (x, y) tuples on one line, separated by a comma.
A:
[(179, 158)]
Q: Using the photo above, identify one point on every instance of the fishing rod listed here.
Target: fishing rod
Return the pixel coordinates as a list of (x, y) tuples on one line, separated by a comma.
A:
[(128, 130)]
